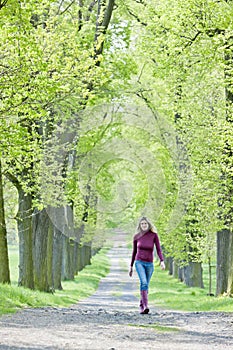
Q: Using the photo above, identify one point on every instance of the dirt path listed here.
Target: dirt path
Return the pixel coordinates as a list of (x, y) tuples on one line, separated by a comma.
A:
[(109, 320)]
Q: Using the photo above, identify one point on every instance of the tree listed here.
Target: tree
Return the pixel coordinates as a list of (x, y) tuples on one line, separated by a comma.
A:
[(185, 44), (225, 236), (38, 99), (4, 260)]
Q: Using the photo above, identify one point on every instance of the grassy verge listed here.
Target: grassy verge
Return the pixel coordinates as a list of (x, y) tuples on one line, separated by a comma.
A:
[(157, 327), (85, 284), (168, 293), (165, 291)]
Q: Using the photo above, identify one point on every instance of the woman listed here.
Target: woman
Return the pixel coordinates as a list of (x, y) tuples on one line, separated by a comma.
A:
[(143, 253)]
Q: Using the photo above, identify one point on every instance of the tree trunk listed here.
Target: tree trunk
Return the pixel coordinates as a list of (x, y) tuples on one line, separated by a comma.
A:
[(63, 245), (75, 262), (87, 254), (50, 256), (55, 247), (57, 259), (169, 265), (79, 261), (81, 257), (224, 237), (79, 232), (175, 269), (223, 256), (24, 221), (67, 259), (4, 259), (40, 232), (230, 274), (193, 275), (104, 14), (181, 274), (68, 268)]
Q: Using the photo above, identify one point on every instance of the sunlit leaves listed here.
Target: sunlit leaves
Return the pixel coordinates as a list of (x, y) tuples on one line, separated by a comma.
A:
[(184, 46)]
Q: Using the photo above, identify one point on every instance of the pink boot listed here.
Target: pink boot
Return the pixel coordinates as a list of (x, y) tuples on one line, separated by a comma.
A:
[(144, 296), (141, 306)]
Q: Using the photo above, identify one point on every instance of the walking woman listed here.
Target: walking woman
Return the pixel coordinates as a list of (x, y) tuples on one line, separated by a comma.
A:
[(143, 254)]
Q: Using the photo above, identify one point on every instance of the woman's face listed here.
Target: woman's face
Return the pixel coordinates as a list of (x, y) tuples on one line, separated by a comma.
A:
[(144, 225)]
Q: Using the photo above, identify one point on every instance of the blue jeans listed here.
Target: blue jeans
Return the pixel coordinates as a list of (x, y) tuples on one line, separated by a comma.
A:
[(144, 270)]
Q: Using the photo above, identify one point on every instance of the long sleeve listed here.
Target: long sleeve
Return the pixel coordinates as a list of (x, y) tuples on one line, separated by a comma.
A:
[(158, 248), (134, 252)]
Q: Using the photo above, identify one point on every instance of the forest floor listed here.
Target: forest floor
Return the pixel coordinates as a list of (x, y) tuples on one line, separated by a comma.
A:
[(109, 320)]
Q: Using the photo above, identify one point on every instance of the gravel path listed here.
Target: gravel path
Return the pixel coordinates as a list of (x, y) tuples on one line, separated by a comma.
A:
[(109, 320)]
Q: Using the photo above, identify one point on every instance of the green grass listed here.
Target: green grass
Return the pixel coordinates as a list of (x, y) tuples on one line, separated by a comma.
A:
[(169, 293), (85, 284), (157, 327)]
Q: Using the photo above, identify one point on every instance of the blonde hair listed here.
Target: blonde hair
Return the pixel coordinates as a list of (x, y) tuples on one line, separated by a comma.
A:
[(152, 228)]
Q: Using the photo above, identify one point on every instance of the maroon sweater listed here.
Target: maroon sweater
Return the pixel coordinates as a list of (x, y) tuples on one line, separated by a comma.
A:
[(143, 247)]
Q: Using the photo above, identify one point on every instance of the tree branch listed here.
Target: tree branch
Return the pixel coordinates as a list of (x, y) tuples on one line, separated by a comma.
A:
[(90, 9), (136, 17), (67, 7), (13, 179), (104, 14), (80, 15), (3, 3)]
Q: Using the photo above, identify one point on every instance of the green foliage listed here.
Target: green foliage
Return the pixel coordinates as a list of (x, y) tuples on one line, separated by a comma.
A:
[(185, 47), (171, 60), (50, 72)]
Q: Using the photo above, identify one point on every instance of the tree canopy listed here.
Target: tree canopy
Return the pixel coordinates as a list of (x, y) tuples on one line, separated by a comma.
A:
[(118, 109)]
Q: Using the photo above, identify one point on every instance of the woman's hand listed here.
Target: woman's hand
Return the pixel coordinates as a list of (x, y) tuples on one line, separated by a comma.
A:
[(131, 271), (162, 264)]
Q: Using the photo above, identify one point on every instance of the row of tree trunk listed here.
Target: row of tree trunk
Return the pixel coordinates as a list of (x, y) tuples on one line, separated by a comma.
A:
[(50, 249), (192, 273), (57, 254)]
